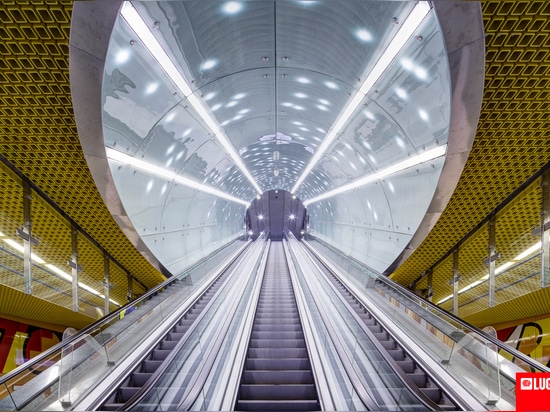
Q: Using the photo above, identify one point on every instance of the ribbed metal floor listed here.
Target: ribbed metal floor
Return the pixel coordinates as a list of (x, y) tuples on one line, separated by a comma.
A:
[(277, 374)]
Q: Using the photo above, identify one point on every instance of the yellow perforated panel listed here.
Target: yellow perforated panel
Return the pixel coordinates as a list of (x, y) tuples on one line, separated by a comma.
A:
[(511, 144), (38, 135)]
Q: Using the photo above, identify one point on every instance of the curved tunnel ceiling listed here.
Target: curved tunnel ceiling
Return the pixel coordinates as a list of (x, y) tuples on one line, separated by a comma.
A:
[(282, 95)]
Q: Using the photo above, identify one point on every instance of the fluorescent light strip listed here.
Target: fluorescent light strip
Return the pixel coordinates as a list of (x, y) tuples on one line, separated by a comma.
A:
[(134, 20), (406, 164), (408, 27), (53, 268), (21, 249), (166, 174), (500, 269)]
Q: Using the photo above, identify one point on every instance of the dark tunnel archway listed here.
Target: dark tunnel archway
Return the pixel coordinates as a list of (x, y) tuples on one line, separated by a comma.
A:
[(275, 212)]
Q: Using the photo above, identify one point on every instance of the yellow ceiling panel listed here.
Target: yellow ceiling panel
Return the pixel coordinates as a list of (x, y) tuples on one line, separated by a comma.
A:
[(38, 135)]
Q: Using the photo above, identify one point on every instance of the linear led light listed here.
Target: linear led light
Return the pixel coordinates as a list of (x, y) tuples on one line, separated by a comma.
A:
[(134, 20), (398, 167), (159, 171), (409, 26), (53, 268), (21, 249), (527, 252), (69, 278)]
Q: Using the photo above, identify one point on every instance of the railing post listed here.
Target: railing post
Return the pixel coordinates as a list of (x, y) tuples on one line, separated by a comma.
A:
[(456, 278), (106, 284), (430, 291), (493, 256), (73, 263), (545, 230), (130, 292), (27, 239)]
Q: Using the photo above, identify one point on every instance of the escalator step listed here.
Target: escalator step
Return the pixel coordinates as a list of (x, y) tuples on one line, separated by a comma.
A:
[(276, 343), (126, 392), (408, 365), (270, 406), (419, 379), (112, 406), (381, 336), (175, 336), (282, 328), (277, 364), (181, 328), (277, 316), (277, 335), (388, 344), (149, 366), (278, 377), (160, 354), (375, 328), (397, 354), (168, 344), (277, 353), (433, 393), (278, 392), (139, 378)]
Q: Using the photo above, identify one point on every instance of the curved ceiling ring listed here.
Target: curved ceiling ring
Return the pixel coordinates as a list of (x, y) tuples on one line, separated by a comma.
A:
[(88, 49)]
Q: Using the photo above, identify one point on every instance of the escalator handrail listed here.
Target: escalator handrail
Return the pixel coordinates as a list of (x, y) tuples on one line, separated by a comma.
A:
[(501, 345), (363, 394), (144, 390), (97, 324), (403, 377)]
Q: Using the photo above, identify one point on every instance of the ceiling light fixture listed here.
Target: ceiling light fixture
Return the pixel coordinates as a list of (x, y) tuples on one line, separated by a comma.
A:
[(136, 23), (167, 174), (517, 260), (406, 30), (398, 167)]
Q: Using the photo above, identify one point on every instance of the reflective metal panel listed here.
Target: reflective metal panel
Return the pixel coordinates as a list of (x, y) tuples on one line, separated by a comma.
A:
[(275, 77)]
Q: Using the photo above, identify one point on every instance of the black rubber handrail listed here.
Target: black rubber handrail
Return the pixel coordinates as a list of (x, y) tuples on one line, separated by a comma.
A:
[(94, 326), (514, 352)]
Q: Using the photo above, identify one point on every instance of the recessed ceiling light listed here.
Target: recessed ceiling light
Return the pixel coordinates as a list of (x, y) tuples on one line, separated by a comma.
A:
[(122, 56), (331, 85), (423, 114), (303, 80), (209, 96), (232, 7), (421, 73), (363, 35), (209, 64), (151, 88), (400, 92)]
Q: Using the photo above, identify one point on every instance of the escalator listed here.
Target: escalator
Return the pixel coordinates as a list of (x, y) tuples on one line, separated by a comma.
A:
[(411, 368), (144, 371), (277, 373)]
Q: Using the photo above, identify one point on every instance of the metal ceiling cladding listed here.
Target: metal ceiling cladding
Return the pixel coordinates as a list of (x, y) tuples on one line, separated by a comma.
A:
[(39, 135), (270, 75)]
